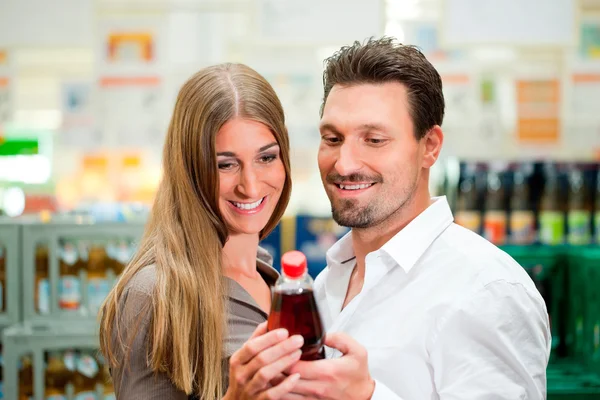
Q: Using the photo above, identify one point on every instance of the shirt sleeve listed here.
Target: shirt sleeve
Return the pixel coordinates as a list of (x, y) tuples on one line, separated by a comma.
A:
[(135, 380), (495, 345)]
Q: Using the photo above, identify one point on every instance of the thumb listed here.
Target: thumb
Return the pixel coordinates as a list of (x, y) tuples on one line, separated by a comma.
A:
[(342, 342)]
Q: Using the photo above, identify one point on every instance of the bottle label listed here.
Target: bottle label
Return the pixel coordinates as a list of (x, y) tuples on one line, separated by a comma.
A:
[(69, 359), (98, 289), (123, 252), (522, 227), (469, 219), (111, 249), (87, 365), (43, 299), (110, 396), (68, 254), (86, 396), (70, 293), (579, 227), (552, 227), (56, 397), (494, 226), (83, 250)]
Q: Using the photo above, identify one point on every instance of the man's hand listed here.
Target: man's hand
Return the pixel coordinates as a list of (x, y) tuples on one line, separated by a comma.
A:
[(261, 359), (345, 378)]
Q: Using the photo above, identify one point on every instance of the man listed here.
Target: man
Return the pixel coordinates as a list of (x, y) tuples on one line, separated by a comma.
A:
[(416, 307)]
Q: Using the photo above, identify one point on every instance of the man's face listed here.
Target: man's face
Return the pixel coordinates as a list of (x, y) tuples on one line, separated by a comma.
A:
[(369, 158)]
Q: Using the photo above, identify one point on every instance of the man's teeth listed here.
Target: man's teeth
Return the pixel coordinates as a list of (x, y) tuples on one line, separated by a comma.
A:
[(248, 206), (356, 187)]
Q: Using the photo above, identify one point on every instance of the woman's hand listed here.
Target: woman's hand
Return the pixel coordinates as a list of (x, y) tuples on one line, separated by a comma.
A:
[(260, 361)]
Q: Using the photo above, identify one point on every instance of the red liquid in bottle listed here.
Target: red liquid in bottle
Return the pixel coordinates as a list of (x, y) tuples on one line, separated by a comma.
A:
[(294, 307)]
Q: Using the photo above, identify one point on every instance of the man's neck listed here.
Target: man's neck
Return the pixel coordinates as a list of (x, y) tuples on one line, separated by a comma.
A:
[(365, 241)]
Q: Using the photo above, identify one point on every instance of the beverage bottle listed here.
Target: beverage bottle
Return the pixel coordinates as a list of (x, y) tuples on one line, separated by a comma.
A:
[(467, 211), (86, 377), (70, 286), (122, 255), (495, 217), (579, 214), (294, 306), (109, 390), (26, 378), (522, 217), (57, 377), (97, 284), (552, 213), (42, 285)]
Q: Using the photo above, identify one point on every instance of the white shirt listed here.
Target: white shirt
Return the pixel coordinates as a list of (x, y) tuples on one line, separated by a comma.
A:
[(443, 314)]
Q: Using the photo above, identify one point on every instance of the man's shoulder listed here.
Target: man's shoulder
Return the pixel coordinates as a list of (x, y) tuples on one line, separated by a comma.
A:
[(480, 260)]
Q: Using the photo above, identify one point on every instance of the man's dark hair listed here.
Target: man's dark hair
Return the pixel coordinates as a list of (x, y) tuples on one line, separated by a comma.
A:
[(386, 60)]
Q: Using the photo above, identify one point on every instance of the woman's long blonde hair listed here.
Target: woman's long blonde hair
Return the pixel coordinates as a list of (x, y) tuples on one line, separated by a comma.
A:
[(185, 233)]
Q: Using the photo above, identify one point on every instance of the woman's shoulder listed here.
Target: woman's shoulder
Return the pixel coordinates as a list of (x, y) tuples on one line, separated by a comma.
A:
[(143, 281), (137, 295)]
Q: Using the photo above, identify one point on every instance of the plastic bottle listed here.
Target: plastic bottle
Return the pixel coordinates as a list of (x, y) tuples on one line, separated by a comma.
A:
[(294, 306), (522, 216)]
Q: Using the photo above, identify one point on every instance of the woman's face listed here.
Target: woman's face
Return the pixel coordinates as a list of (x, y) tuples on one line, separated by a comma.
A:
[(251, 175)]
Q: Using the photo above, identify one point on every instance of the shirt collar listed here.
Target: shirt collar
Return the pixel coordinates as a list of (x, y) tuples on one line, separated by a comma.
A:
[(264, 265), (408, 245)]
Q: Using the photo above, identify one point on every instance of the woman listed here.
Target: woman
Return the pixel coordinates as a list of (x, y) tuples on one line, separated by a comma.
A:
[(195, 291)]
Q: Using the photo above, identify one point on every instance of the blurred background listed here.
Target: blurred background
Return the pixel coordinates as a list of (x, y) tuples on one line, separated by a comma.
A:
[(86, 92)]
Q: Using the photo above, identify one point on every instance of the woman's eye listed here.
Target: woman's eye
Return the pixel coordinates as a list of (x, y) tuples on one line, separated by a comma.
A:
[(226, 165), (267, 158)]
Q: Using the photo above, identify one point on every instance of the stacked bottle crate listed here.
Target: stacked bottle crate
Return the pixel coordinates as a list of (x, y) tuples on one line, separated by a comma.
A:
[(68, 265)]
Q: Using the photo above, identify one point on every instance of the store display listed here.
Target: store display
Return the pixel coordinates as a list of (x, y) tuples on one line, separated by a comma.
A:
[(531, 202)]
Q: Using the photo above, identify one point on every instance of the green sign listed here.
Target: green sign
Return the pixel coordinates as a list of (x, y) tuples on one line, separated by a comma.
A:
[(18, 146)]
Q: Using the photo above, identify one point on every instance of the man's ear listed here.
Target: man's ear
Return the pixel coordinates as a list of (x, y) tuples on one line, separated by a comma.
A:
[(432, 145)]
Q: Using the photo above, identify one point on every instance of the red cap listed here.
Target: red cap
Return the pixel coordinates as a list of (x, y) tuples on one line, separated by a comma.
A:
[(293, 263)]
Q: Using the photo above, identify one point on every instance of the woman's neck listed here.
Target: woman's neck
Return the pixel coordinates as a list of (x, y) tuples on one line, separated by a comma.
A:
[(239, 255)]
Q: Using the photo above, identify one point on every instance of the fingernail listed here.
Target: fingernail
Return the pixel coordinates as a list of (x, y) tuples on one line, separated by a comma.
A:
[(297, 354), (295, 377), (298, 340), (282, 333)]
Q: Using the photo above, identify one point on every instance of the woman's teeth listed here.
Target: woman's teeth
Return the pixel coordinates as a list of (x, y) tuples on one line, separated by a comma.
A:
[(248, 206)]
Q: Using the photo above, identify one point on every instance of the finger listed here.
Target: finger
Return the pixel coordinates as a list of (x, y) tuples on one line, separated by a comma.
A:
[(278, 379), (285, 387), (308, 389), (344, 343), (266, 374), (261, 329), (254, 346), (312, 370), (276, 352)]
